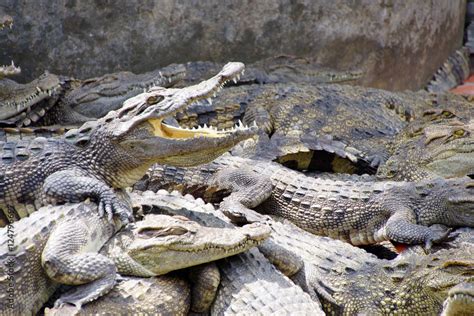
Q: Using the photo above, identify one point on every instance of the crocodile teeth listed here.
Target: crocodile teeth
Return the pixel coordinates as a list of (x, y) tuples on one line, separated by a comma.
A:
[(38, 89), (209, 100), (234, 80)]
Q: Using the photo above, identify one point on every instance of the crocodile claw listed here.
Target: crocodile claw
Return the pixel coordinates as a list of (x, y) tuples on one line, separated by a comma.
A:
[(438, 237), (109, 204)]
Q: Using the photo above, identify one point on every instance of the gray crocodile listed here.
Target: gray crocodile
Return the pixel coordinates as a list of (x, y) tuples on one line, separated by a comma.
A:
[(162, 295), (249, 284), (358, 212), (347, 280), (51, 100), (95, 97), (277, 69), (35, 259), (427, 151), (114, 151)]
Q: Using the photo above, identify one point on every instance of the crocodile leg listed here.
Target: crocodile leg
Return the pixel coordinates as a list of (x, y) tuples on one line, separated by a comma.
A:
[(74, 186), (401, 227), (248, 191), (205, 279), (76, 262)]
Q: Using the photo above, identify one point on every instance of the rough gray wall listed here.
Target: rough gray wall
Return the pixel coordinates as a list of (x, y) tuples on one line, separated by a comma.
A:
[(399, 43)]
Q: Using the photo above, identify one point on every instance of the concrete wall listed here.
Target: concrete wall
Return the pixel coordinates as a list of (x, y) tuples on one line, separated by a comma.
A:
[(399, 43)]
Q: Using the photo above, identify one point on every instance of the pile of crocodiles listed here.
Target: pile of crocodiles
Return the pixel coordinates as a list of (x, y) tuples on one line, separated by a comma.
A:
[(283, 190)]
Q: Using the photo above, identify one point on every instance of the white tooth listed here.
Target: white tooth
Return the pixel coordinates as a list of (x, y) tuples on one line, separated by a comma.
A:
[(215, 94), (159, 72), (238, 77), (50, 92), (169, 79), (205, 126), (38, 89), (240, 123), (234, 80), (254, 124), (209, 100), (243, 71)]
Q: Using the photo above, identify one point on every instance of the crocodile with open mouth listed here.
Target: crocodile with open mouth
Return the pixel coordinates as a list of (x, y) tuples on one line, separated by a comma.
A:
[(6, 21), (115, 151)]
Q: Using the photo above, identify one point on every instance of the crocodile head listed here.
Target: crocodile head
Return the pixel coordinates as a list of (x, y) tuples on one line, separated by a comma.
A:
[(162, 243), (16, 98), (444, 150), (460, 301), (408, 285), (127, 142), (112, 89)]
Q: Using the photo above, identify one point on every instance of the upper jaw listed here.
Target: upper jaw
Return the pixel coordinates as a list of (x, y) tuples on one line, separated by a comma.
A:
[(138, 109)]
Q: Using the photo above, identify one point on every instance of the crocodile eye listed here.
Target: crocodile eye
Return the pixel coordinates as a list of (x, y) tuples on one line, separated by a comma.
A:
[(154, 99), (162, 232), (460, 132), (447, 114)]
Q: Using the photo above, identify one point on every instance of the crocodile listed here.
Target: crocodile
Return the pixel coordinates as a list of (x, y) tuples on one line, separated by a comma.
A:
[(35, 259), (73, 101), (114, 151), (95, 97), (429, 151), (350, 281), (324, 127), (249, 284), (347, 279), (358, 212), (277, 69), (6, 21), (161, 295), (460, 301), (452, 73), (16, 99)]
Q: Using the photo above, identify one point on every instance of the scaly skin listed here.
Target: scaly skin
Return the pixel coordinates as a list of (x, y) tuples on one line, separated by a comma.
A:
[(95, 97), (16, 99), (115, 151), (163, 295), (452, 73), (278, 69), (460, 301), (357, 212), (249, 283), (154, 246), (324, 127), (24, 243), (430, 151), (350, 281)]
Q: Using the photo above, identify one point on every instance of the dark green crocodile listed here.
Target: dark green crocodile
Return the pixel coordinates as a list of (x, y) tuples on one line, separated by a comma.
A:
[(113, 152), (358, 212), (35, 259)]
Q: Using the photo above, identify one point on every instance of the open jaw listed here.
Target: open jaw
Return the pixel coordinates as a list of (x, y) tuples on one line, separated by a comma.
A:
[(172, 144), (184, 243)]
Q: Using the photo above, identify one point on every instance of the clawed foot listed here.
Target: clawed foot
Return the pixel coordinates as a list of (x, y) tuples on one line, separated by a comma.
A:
[(239, 214), (438, 237), (109, 204)]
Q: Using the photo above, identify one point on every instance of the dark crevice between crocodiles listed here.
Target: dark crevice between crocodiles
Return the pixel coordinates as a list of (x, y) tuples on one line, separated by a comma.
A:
[(323, 161)]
